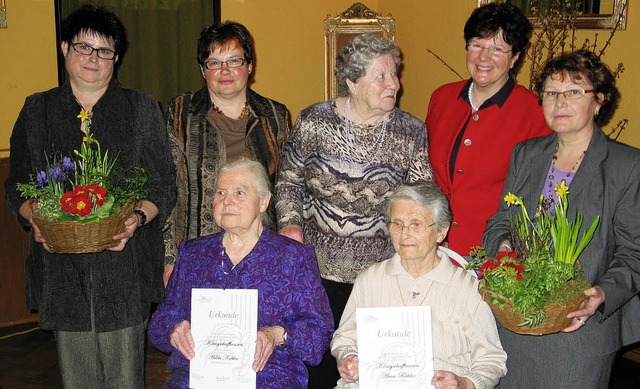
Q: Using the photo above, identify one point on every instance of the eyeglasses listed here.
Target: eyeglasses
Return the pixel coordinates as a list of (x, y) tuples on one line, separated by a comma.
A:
[(85, 49), (413, 227), (477, 48), (571, 94), (214, 64)]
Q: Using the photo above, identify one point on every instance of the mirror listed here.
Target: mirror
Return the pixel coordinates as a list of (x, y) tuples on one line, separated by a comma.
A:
[(598, 14), (340, 29)]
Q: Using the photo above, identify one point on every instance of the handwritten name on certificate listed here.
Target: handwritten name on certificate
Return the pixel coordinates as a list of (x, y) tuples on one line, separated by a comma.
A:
[(395, 347), (224, 325)]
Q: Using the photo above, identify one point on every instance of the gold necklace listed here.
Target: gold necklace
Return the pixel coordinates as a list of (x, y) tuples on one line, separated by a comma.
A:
[(243, 114)]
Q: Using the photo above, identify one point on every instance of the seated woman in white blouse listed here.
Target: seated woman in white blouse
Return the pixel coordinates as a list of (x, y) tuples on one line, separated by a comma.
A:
[(467, 350)]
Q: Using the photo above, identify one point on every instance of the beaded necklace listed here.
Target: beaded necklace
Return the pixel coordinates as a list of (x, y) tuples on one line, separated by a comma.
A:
[(552, 180), (243, 114), (473, 107), (383, 130)]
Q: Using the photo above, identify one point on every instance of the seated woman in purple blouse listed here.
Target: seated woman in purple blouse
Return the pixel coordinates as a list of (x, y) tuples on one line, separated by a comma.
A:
[(294, 319)]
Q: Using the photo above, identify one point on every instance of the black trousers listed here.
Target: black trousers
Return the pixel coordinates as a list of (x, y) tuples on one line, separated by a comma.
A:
[(325, 375)]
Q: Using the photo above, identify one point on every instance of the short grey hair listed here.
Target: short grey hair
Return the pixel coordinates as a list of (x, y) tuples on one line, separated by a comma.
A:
[(426, 194), (356, 55), (259, 173)]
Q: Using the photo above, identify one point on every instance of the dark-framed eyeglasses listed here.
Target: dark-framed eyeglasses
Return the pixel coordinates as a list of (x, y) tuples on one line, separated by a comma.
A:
[(214, 64), (477, 48), (570, 94), (85, 49), (413, 227)]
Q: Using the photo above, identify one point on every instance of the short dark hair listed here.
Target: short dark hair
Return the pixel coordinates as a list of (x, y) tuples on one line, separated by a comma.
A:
[(93, 20), (486, 21), (222, 33), (584, 65)]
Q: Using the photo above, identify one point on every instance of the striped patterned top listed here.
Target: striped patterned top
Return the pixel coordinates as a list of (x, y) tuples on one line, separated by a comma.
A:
[(198, 151), (335, 178)]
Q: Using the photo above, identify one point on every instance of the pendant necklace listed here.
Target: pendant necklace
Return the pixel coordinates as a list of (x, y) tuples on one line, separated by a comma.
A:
[(470, 93), (413, 295)]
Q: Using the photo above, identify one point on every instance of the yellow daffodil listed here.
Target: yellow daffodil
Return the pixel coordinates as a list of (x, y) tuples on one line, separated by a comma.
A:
[(84, 115), (562, 190), (511, 199)]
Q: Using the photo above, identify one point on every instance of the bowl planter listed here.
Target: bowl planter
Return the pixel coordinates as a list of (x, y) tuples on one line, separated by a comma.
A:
[(570, 299)]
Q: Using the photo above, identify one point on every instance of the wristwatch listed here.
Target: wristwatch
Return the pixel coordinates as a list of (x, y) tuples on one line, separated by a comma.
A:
[(143, 217)]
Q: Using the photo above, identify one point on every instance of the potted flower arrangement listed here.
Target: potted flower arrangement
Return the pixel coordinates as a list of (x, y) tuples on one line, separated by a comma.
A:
[(83, 202), (532, 288)]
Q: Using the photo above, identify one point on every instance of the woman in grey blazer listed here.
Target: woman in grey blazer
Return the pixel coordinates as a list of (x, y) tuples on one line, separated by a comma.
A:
[(577, 91)]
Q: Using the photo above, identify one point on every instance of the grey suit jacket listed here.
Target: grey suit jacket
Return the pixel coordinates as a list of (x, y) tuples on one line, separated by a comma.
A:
[(607, 183)]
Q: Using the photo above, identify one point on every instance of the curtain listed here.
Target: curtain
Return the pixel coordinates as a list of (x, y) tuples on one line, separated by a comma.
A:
[(583, 6), (163, 35)]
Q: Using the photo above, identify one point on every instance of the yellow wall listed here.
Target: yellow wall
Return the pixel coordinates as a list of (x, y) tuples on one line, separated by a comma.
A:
[(289, 41), (27, 59), (289, 45), (290, 54)]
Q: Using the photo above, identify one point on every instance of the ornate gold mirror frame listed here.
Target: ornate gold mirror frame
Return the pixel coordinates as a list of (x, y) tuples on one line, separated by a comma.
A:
[(601, 21), (340, 29), (3, 14)]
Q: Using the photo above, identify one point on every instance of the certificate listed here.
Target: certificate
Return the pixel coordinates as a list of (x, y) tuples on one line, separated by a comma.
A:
[(395, 348), (224, 325)]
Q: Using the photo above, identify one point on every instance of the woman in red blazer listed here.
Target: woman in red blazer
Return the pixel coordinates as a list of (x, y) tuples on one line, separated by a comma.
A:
[(474, 124)]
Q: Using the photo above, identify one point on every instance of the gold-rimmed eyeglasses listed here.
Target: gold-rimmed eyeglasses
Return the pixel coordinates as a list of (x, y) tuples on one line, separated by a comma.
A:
[(477, 48), (85, 49), (413, 227), (570, 94)]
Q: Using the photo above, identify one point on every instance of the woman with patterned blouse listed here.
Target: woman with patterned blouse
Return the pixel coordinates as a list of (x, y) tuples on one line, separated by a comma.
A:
[(344, 157), (294, 319), (221, 122)]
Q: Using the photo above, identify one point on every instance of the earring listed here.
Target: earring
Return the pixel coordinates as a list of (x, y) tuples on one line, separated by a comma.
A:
[(596, 112)]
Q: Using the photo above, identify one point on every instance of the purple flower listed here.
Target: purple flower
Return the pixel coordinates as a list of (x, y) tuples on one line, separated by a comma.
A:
[(41, 178), (56, 173), (68, 165)]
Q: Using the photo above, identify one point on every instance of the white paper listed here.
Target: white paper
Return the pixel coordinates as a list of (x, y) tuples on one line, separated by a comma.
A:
[(395, 347), (224, 325)]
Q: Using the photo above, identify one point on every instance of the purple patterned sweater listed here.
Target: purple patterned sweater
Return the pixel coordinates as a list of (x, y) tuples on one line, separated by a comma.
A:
[(290, 294)]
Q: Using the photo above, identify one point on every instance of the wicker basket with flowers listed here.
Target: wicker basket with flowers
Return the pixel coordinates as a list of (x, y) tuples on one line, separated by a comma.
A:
[(532, 289), (83, 201)]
